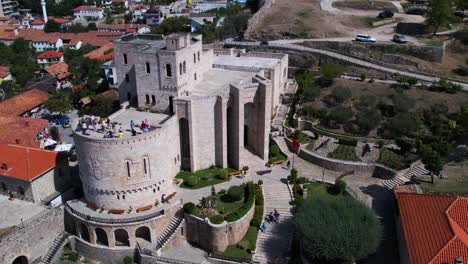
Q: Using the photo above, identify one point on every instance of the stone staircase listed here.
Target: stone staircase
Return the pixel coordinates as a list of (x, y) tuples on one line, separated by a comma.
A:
[(56, 246), (277, 239), (416, 170), (171, 230)]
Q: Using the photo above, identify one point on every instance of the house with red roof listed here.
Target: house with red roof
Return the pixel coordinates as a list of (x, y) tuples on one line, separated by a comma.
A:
[(124, 28), (5, 74), (103, 54), (37, 23), (49, 57), (432, 229), (88, 12), (60, 72), (139, 12), (32, 174), (41, 40)]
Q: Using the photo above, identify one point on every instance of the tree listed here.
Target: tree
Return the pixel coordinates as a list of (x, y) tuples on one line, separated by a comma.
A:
[(461, 4), (432, 162), (439, 13), (329, 72), (341, 94), (52, 26), (172, 25), (402, 102), (337, 229), (368, 119), (403, 124), (405, 144), (9, 89), (463, 117), (340, 114), (58, 102), (91, 26)]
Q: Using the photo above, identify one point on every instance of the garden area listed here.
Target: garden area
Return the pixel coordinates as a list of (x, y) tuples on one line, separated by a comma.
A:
[(275, 154), (345, 152), (395, 159), (455, 181), (230, 206), (204, 178)]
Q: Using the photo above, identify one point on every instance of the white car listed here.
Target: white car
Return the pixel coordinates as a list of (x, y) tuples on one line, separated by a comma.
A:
[(365, 38)]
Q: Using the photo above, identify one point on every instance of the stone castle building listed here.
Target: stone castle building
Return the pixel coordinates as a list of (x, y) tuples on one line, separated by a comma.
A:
[(205, 107)]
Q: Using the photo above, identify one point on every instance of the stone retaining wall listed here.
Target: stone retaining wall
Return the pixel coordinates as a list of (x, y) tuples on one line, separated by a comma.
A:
[(254, 21), (215, 238), (101, 253), (377, 170), (378, 50)]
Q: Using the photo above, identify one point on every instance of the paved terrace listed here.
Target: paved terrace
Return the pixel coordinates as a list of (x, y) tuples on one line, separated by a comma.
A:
[(216, 80), (16, 212), (122, 119)]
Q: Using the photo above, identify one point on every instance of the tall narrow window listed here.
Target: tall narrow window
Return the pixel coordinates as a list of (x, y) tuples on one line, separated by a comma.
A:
[(185, 67), (194, 58), (148, 69), (195, 76), (145, 165), (198, 56), (147, 99), (180, 68), (127, 164), (168, 70), (153, 99), (125, 58), (127, 78)]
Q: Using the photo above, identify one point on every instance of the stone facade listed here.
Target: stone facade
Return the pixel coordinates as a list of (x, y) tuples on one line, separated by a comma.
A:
[(215, 238), (34, 238)]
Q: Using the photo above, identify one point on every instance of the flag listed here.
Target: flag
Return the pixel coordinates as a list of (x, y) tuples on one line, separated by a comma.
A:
[(295, 144)]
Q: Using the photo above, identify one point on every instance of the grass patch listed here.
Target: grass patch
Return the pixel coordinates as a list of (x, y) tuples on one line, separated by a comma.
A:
[(345, 152), (434, 42), (206, 177), (366, 5), (443, 186), (238, 252), (391, 158)]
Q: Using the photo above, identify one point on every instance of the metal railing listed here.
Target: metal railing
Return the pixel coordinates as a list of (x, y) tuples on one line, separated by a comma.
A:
[(111, 220)]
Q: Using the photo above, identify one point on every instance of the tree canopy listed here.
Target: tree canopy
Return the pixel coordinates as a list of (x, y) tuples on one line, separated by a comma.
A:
[(58, 102), (172, 25), (20, 57), (439, 13), (337, 229)]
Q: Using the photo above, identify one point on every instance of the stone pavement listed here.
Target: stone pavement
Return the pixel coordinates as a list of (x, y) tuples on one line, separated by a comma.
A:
[(16, 212)]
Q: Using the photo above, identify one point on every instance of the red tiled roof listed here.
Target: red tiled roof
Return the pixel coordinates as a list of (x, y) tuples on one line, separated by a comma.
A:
[(23, 102), (37, 21), (59, 20), (86, 8), (4, 19), (50, 54), (98, 54), (141, 7), (127, 28), (38, 35), (25, 130), (25, 163), (435, 227), (4, 71), (59, 70), (7, 32)]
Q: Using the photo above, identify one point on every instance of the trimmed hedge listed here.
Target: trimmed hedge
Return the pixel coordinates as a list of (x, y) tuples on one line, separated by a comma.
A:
[(192, 181), (189, 208), (349, 142), (217, 219), (236, 193), (223, 175)]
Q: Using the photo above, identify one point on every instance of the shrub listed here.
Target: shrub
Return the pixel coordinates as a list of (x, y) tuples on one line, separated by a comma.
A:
[(216, 219), (73, 157), (54, 133), (223, 175), (241, 212), (259, 201), (236, 193), (231, 217), (274, 151), (405, 144), (363, 77), (333, 229), (330, 71), (340, 114), (192, 181), (222, 191), (341, 94), (293, 176), (260, 182), (368, 119), (128, 260), (206, 177), (302, 180), (189, 208), (348, 142), (258, 216), (381, 143)]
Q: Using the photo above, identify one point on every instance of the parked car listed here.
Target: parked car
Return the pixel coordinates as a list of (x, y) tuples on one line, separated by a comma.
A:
[(61, 121), (398, 38), (365, 38), (385, 14), (418, 2), (416, 11)]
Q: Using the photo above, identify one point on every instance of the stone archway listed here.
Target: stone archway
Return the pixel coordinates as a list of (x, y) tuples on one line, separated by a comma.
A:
[(101, 237), (121, 238), (143, 232), (21, 260), (84, 233)]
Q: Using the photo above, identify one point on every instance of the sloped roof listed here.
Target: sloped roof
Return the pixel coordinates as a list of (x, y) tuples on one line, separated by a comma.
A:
[(87, 8), (37, 21), (38, 35), (435, 227), (99, 54), (25, 163), (23, 102), (20, 130), (59, 70), (4, 71), (59, 20), (128, 28), (50, 54)]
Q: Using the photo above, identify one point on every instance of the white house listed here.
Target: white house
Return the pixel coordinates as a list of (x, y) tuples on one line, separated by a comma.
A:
[(139, 11), (49, 57), (88, 12)]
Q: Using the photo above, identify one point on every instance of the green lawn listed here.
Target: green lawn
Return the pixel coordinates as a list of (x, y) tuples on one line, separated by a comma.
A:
[(206, 177), (276, 158), (444, 186), (392, 159), (234, 252), (345, 152)]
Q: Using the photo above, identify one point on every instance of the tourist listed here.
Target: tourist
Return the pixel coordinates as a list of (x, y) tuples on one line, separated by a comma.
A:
[(146, 129), (277, 215), (163, 198), (263, 227), (270, 217), (134, 132), (132, 125), (143, 125), (289, 164)]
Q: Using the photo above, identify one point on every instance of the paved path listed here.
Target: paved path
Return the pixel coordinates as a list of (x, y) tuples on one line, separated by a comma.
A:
[(277, 239), (352, 60)]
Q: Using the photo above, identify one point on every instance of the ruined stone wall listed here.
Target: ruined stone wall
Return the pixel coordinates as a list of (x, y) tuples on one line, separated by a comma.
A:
[(34, 238), (216, 238), (261, 13), (103, 167)]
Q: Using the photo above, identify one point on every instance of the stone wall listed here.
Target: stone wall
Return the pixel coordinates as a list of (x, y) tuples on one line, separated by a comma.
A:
[(378, 50), (377, 170), (34, 238), (254, 21), (100, 253), (215, 238)]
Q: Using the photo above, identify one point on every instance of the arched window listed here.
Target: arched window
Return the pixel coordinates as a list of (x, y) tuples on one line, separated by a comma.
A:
[(195, 76), (168, 70), (194, 58), (148, 69), (121, 238), (127, 167), (125, 58), (143, 232), (153, 99), (101, 237), (20, 260), (84, 234), (180, 68), (147, 99), (185, 67)]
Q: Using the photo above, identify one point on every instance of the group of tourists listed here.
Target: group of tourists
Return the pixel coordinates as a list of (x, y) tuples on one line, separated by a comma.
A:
[(271, 217), (110, 129)]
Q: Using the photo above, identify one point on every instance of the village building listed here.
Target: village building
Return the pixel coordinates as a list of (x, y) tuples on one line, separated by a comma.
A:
[(88, 12), (49, 57)]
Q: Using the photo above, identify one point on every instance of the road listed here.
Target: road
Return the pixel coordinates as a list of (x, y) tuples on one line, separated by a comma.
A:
[(335, 55)]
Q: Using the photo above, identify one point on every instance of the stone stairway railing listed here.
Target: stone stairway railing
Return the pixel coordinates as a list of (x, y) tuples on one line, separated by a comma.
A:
[(171, 230)]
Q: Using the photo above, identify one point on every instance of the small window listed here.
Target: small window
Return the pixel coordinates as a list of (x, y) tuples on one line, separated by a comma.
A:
[(185, 67), (168, 70), (147, 99), (127, 78), (123, 196), (284, 73), (127, 164), (198, 56), (159, 188), (194, 58), (180, 68), (195, 76), (154, 190), (125, 58), (118, 197), (148, 69), (153, 99), (20, 190)]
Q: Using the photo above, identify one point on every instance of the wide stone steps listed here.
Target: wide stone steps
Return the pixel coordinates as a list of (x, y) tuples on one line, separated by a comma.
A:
[(170, 230), (56, 245), (417, 170), (391, 184)]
